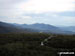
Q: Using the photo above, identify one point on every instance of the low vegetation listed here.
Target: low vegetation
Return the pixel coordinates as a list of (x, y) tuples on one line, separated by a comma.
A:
[(29, 44)]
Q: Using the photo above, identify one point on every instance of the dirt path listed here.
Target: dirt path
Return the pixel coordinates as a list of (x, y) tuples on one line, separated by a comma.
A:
[(45, 40)]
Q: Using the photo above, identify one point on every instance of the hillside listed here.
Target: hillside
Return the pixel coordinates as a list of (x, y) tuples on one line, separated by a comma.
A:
[(30, 44), (10, 28), (47, 28), (25, 28), (68, 28)]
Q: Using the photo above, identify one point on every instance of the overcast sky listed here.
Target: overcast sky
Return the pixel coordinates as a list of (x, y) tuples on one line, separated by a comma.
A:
[(54, 12)]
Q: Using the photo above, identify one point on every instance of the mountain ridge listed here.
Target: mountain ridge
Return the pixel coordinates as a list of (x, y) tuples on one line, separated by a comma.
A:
[(37, 27)]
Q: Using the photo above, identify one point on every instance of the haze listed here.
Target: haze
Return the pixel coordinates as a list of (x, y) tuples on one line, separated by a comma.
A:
[(54, 12)]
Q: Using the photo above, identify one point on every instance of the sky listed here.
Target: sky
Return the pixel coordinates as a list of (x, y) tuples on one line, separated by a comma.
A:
[(53, 12)]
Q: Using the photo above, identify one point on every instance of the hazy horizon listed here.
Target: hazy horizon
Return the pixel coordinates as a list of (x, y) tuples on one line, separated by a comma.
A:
[(53, 12)]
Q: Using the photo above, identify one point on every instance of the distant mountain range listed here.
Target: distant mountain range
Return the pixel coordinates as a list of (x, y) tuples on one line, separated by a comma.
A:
[(11, 28), (37, 27), (69, 28)]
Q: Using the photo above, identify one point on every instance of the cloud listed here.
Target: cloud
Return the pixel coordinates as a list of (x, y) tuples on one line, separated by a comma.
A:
[(18, 7), (40, 6), (47, 18), (55, 12), (65, 21), (7, 7), (19, 20), (67, 13)]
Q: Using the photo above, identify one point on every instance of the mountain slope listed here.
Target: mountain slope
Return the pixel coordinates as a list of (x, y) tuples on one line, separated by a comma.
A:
[(24, 28), (47, 28), (70, 28), (10, 28)]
